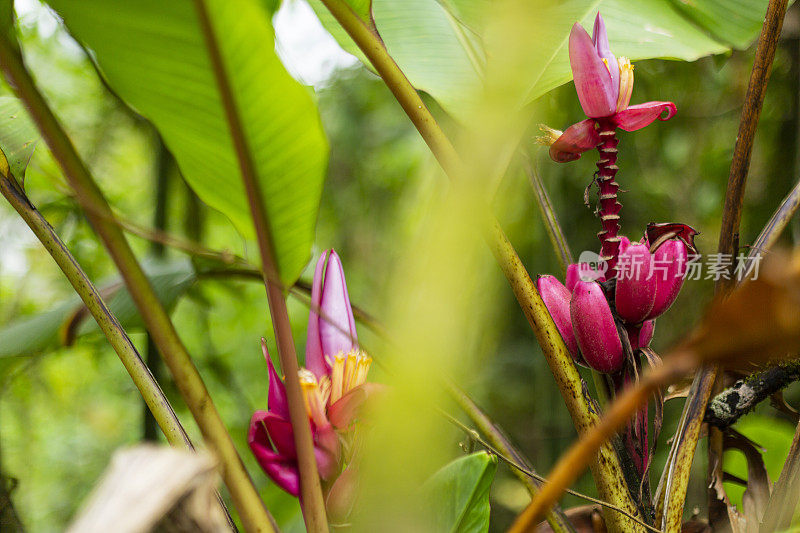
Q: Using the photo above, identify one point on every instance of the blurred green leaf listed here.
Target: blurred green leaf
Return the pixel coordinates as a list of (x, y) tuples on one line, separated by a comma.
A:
[(154, 55), (439, 46), (34, 334), (459, 493), (735, 22), (18, 135)]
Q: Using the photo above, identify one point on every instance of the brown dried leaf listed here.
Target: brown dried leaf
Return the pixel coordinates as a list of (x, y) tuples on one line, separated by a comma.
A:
[(757, 493), (757, 324)]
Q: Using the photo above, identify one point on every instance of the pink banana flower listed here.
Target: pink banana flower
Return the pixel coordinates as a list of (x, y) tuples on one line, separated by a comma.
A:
[(604, 84), (334, 386)]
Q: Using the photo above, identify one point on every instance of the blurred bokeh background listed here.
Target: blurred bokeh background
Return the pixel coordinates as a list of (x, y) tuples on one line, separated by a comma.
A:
[(63, 410)]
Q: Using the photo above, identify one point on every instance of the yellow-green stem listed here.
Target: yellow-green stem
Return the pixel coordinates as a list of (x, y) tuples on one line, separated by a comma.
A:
[(310, 486), (246, 500)]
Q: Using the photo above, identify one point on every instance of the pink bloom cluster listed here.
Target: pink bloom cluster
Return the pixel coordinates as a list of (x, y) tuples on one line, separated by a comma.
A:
[(334, 388), (582, 309), (604, 84)]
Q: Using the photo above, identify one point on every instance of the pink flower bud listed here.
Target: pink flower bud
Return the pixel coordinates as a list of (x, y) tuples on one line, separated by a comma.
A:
[(640, 336), (335, 330), (582, 271), (636, 285), (594, 328), (556, 298), (670, 270), (342, 495)]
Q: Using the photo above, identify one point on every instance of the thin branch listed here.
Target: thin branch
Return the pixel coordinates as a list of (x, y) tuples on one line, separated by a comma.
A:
[(245, 498), (704, 385), (751, 110), (733, 403), (502, 447), (607, 469), (310, 486), (773, 229)]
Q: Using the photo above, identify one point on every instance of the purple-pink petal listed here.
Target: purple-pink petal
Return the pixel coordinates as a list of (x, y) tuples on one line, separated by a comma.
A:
[(593, 81), (581, 271), (315, 358), (646, 333), (335, 330), (276, 396), (640, 335), (326, 450), (594, 327), (577, 139), (280, 433), (282, 470), (600, 40), (638, 116)]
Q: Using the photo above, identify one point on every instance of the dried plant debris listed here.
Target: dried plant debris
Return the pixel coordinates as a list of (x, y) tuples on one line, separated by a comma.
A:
[(154, 489)]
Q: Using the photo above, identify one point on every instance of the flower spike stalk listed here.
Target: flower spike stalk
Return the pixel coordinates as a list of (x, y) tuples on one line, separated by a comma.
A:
[(604, 84), (609, 205)]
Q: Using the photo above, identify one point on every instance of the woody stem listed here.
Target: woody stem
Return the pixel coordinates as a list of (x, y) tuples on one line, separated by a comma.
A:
[(609, 206)]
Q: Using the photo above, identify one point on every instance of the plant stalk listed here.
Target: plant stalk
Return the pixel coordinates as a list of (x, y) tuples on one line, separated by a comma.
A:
[(251, 510), (609, 205), (161, 178), (310, 487)]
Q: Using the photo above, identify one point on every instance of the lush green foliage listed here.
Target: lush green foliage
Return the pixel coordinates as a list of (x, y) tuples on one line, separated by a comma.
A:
[(65, 409)]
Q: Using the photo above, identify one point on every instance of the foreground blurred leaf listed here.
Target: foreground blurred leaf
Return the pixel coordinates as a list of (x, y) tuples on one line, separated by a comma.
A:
[(31, 335), (459, 493), (757, 324), (154, 55), (18, 135), (439, 44)]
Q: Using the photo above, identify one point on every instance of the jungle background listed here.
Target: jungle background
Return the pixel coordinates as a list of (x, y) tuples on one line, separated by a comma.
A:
[(65, 409)]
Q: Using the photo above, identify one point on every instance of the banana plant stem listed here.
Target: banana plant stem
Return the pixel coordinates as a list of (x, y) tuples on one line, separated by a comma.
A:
[(246, 500)]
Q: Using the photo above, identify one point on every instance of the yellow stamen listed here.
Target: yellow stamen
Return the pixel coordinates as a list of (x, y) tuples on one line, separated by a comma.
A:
[(625, 83), (315, 395), (548, 136), (605, 62), (348, 371)]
